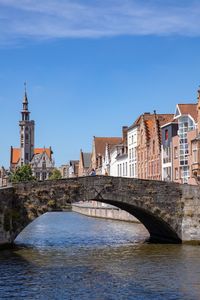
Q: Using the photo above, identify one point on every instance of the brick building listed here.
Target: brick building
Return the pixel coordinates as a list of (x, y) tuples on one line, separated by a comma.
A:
[(98, 151), (148, 149), (186, 156), (84, 163)]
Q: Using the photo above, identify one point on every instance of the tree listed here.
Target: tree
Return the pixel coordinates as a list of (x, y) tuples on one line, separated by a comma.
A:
[(56, 174), (23, 173)]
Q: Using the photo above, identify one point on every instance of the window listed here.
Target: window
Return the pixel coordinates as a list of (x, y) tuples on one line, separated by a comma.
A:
[(166, 134), (133, 170), (176, 173), (185, 174), (44, 176), (26, 156), (153, 147), (175, 152), (129, 153), (141, 137)]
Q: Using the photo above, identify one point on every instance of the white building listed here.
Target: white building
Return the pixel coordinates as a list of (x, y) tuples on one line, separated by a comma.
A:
[(115, 162), (42, 165), (132, 142)]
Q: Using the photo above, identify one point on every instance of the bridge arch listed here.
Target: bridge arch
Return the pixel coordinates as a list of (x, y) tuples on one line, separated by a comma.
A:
[(157, 205)]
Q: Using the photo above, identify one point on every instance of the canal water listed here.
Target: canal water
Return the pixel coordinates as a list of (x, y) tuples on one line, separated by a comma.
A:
[(70, 256)]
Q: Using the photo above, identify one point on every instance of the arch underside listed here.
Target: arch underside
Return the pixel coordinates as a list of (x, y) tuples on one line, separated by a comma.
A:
[(159, 230)]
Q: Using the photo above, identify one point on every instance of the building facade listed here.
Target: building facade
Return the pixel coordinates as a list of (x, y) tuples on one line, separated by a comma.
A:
[(3, 177), (183, 153), (99, 157), (169, 131), (132, 143), (84, 164), (64, 170), (42, 164), (73, 168), (148, 153)]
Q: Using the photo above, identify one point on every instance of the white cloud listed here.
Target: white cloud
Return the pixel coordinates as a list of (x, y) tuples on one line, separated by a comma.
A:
[(49, 19)]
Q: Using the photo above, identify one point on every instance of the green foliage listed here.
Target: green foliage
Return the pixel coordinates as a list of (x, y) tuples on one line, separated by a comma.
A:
[(55, 175), (52, 203), (23, 173)]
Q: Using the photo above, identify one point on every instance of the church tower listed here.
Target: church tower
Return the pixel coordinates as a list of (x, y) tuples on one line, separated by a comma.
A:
[(26, 133)]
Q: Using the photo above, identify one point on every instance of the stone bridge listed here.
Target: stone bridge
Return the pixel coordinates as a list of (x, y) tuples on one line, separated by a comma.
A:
[(169, 211)]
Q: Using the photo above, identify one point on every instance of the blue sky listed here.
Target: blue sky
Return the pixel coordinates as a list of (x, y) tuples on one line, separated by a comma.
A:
[(93, 66)]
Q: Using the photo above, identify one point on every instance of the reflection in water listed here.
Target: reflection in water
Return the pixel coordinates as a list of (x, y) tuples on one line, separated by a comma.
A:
[(69, 256)]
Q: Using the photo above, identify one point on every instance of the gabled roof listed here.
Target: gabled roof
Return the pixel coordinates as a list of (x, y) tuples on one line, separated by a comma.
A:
[(161, 119), (16, 152), (188, 109), (147, 117), (100, 143), (38, 155), (149, 121), (15, 155), (41, 150)]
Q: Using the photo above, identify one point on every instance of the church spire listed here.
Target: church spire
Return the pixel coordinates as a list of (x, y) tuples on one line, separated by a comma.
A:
[(25, 112), (26, 133)]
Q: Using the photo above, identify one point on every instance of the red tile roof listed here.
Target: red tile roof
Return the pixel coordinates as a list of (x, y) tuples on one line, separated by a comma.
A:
[(163, 118), (189, 109), (41, 150), (100, 143), (15, 153)]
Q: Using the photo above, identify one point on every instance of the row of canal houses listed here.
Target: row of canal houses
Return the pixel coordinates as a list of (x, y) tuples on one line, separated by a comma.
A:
[(156, 147)]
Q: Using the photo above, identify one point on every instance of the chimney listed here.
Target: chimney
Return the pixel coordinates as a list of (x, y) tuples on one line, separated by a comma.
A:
[(124, 133)]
